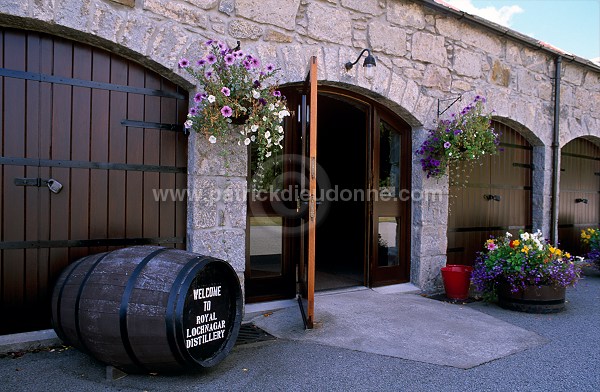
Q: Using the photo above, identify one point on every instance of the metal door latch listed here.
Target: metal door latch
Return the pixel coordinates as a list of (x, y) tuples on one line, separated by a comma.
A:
[(492, 197), (51, 183)]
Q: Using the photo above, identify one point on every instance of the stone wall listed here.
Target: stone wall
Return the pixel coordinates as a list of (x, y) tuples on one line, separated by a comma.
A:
[(422, 55)]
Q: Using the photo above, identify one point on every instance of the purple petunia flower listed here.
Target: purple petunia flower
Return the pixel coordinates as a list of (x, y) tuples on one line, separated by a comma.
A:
[(239, 53), (226, 111), (256, 84), (193, 111), (247, 64), (211, 58), (229, 59), (457, 131), (277, 93), (225, 91), (208, 74), (198, 97), (201, 62), (447, 145), (255, 62), (262, 101), (209, 42), (184, 63), (270, 67)]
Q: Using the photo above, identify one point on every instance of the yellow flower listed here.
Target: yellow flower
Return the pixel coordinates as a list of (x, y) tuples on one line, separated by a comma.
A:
[(516, 242), (568, 255), (525, 249)]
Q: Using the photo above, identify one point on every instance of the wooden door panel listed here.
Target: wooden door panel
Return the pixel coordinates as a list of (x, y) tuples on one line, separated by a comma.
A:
[(72, 131), (496, 199)]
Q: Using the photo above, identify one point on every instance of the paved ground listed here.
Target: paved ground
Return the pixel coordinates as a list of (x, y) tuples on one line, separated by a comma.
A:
[(569, 360)]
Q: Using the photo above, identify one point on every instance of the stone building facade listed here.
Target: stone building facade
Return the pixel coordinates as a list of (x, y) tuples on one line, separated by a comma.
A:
[(425, 52)]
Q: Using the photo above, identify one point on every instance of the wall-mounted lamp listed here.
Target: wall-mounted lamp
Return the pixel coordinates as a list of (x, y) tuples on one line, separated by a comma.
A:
[(368, 65)]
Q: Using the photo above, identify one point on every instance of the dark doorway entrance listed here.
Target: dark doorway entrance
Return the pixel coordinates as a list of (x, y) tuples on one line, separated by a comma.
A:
[(341, 235)]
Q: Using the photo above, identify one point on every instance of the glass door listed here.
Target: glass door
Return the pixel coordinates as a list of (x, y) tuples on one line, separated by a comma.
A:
[(390, 198)]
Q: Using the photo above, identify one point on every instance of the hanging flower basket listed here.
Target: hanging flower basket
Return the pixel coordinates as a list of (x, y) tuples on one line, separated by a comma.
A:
[(466, 136), (234, 89)]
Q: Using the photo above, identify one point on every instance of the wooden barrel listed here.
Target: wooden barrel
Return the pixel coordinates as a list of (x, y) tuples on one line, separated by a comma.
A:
[(149, 309), (532, 299)]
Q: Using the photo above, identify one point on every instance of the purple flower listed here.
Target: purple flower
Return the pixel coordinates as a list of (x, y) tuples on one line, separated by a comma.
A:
[(198, 97), (211, 58), (447, 145), (247, 64), (209, 42), (193, 110), (262, 101), (184, 63), (277, 93), (255, 62), (225, 91), (226, 111), (229, 59), (239, 53), (457, 131), (270, 67), (208, 74), (201, 62)]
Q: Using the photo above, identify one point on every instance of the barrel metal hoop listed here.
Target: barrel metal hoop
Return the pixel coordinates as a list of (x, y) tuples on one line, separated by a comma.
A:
[(78, 300), (179, 355), (125, 305), (56, 322)]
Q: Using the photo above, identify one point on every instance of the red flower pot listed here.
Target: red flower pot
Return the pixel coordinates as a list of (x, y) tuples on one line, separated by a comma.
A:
[(457, 279)]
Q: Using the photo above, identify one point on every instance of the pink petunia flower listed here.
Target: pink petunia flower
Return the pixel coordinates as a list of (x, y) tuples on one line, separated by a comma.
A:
[(226, 111)]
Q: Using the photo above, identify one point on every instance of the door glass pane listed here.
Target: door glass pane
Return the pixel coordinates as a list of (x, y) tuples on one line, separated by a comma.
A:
[(389, 161), (387, 241), (265, 246)]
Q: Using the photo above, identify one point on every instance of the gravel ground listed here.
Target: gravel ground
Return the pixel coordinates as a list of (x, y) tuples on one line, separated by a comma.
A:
[(568, 362)]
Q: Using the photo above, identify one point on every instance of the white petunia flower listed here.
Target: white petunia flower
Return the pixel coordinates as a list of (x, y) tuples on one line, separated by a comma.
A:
[(211, 98), (254, 128), (268, 154), (255, 94), (508, 234), (212, 139), (253, 138), (267, 134), (247, 141), (279, 129), (188, 124), (525, 236), (271, 107)]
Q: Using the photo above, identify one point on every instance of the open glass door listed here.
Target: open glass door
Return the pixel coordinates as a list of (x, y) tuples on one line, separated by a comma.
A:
[(390, 244), (306, 268)]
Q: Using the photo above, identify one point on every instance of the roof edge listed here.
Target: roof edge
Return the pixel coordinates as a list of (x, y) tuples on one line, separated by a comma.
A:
[(503, 31)]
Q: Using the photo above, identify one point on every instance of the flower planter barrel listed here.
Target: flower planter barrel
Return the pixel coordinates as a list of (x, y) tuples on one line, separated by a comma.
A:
[(149, 309), (533, 299)]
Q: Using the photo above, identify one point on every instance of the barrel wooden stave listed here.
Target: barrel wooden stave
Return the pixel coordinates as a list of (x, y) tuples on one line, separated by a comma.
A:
[(98, 284)]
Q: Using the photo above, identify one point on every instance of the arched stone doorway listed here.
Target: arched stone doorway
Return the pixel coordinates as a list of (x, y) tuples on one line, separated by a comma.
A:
[(579, 200), (363, 232), (106, 128)]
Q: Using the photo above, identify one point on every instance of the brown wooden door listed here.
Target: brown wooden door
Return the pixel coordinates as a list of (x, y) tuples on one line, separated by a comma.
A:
[(391, 216), (110, 132), (579, 205), (494, 199)]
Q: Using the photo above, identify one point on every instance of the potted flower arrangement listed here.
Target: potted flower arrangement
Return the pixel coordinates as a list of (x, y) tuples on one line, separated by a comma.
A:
[(591, 238), (526, 273), (234, 88), (466, 136)]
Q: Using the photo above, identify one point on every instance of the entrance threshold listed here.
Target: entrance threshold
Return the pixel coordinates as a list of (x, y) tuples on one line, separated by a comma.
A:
[(402, 288)]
